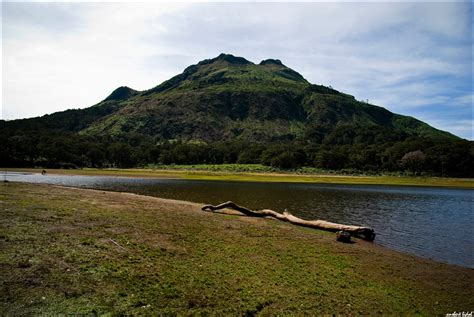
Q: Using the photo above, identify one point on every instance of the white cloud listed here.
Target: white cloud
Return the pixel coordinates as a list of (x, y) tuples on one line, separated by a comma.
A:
[(404, 56), (1, 63), (457, 127), (52, 69)]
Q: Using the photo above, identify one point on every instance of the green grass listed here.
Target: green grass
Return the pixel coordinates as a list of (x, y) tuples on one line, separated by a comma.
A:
[(237, 168), (70, 251), (261, 173), (335, 179)]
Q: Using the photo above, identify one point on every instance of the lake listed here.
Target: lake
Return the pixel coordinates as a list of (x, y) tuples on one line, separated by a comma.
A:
[(429, 222)]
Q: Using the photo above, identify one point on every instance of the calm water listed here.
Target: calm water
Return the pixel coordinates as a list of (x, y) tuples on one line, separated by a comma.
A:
[(430, 222)]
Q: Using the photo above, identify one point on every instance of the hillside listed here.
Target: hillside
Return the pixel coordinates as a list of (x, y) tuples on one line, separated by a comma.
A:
[(229, 99)]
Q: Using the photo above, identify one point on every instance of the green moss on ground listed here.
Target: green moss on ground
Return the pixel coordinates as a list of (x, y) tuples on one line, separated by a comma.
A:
[(71, 251)]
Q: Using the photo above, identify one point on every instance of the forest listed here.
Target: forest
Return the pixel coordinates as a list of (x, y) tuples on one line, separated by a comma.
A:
[(414, 155)]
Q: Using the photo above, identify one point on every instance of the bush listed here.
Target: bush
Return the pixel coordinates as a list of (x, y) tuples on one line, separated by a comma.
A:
[(285, 160)]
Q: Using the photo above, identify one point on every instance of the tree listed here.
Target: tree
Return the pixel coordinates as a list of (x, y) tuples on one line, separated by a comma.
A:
[(330, 159), (413, 161), (96, 156), (120, 155), (250, 154), (285, 160)]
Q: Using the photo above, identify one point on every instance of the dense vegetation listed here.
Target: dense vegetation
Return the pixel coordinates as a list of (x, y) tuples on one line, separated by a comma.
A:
[(229, 110), (452, 158)]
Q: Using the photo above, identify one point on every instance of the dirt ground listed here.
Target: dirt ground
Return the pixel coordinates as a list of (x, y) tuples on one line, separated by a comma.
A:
[(68, 251)]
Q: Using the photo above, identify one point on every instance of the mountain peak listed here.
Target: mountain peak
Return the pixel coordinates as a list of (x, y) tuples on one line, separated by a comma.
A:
[(231, 59), (271, 61), (123, 92), (228, 58)]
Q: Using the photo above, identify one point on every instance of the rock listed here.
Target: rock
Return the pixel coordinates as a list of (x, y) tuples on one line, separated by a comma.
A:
[(343, 236)]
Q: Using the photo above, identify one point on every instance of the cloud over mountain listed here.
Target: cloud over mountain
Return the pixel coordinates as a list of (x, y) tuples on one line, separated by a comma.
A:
[(413, 58)]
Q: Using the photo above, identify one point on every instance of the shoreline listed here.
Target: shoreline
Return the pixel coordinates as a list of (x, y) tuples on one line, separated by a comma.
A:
[(232, 212), (461, 183), (85, 250)]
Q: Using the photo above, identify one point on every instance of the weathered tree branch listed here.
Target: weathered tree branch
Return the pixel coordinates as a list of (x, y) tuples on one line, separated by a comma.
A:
[(361, 232)]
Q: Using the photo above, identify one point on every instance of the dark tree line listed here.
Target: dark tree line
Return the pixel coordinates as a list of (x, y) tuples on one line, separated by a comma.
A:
[(71, 150)]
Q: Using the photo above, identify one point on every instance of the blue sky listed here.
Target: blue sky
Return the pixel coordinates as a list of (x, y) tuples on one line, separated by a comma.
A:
[(411, 58)]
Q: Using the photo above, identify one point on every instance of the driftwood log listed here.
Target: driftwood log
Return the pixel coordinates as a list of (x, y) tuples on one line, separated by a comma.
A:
[(360, 232)]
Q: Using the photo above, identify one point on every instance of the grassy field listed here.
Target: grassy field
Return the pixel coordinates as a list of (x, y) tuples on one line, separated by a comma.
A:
[(257, 173), (71, 251)]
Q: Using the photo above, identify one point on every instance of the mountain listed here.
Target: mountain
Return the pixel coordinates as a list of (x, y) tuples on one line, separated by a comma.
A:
[(230, 99)]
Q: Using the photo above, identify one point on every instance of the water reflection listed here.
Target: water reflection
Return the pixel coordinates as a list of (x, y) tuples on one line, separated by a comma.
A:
[(430, 222)]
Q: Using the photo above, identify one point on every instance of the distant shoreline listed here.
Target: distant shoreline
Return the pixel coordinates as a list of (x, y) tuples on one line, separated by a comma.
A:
[(186, 172)]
